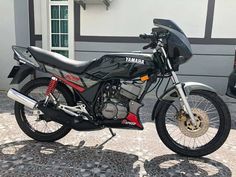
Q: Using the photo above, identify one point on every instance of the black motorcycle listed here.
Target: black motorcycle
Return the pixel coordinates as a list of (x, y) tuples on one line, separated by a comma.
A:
[(191, 119)]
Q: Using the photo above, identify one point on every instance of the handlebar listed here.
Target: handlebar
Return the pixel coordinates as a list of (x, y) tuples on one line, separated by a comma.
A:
[(154, 37), (152, 44)]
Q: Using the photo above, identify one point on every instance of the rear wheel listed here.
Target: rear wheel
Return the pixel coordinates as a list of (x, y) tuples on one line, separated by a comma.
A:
[(212, 128), (31, 121)]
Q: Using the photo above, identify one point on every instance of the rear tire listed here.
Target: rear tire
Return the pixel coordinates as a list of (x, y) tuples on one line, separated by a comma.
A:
[(23, 122), (212, 145)]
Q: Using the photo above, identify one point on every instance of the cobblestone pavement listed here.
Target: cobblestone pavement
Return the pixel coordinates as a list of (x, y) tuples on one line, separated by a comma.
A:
[(130, 153)]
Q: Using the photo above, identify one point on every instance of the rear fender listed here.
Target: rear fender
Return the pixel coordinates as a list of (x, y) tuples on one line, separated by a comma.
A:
[(19, 73), (171, 94)]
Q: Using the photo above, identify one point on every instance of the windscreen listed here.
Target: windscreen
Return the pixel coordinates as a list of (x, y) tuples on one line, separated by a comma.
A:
[(167, 23)]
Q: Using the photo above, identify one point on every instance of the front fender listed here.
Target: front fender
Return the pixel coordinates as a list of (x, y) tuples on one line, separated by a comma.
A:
[(171, 94)]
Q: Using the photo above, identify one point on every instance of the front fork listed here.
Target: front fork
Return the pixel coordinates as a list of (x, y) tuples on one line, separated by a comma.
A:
[(182, 95), (185, 102), (179, 88)]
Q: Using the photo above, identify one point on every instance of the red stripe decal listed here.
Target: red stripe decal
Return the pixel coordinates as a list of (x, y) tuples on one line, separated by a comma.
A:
[(72, 78)]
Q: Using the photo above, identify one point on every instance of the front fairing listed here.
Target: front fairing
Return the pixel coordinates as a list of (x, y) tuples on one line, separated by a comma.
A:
[(178, 46)]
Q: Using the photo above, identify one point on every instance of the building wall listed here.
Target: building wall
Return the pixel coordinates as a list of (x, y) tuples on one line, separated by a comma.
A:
[(13, 30), (130, 18), (7, 36), (133, 17)]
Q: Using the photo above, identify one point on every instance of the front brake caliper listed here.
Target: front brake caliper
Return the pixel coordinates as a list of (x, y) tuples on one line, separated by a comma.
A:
[(182, 115)]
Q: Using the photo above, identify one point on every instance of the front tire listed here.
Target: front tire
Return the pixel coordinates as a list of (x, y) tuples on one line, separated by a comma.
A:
[(217, 113), (29, 121)]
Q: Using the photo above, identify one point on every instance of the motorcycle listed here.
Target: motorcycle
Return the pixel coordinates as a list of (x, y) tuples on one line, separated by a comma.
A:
[(190, 118)]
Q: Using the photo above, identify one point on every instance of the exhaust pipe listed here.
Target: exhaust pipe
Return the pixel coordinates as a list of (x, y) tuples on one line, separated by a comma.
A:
[(19, 97)]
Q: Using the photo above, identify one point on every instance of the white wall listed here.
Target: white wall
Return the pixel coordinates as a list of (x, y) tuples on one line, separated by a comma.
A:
[(224, 25), (7, 36), (132, 17)]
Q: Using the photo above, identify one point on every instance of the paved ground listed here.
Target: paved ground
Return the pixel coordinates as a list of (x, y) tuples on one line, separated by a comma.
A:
[(130, 153)]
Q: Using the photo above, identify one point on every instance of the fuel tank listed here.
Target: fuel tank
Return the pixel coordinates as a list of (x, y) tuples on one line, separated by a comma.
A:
[(122, 66)]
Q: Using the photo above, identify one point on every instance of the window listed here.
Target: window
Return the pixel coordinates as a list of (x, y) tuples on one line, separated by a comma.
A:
[(59, 27)]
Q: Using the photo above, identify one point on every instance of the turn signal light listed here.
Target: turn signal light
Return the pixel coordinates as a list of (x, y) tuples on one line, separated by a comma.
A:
[(144, 78)]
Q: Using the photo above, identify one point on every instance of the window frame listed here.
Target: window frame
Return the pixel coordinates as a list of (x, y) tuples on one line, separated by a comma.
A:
[(70, 25)]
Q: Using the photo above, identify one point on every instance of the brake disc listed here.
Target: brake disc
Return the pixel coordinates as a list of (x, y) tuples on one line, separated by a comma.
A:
[(202, 124)]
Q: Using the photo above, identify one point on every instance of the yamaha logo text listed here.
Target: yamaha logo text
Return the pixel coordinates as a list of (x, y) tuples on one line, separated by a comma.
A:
[(134, 60)]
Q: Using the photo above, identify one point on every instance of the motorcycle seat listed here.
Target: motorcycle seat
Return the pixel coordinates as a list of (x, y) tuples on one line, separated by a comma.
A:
[(58, 61)]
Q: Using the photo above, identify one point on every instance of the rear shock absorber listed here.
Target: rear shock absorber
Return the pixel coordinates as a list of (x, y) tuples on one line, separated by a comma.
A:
[(51, 87)]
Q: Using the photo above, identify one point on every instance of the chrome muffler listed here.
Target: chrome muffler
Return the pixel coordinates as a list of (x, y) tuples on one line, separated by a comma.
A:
[(19, 97)]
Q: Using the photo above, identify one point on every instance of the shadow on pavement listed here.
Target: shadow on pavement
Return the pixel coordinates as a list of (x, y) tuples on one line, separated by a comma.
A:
[(174, 165), (31, 158)]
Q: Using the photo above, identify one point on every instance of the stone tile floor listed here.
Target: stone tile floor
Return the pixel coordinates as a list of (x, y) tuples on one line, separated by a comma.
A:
[(129, 154)]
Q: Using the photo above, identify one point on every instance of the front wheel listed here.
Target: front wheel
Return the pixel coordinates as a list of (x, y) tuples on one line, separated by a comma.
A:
[(210, 132)]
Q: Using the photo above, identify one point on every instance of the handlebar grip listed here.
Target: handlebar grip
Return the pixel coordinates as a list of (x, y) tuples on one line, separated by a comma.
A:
[(142, 36), (146, 36)]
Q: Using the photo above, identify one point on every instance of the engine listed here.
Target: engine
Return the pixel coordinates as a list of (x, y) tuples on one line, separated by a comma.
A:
[(116, 98)]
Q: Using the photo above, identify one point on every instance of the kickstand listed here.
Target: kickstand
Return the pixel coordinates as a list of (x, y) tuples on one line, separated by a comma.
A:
[(112, 133), (101, 145)]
